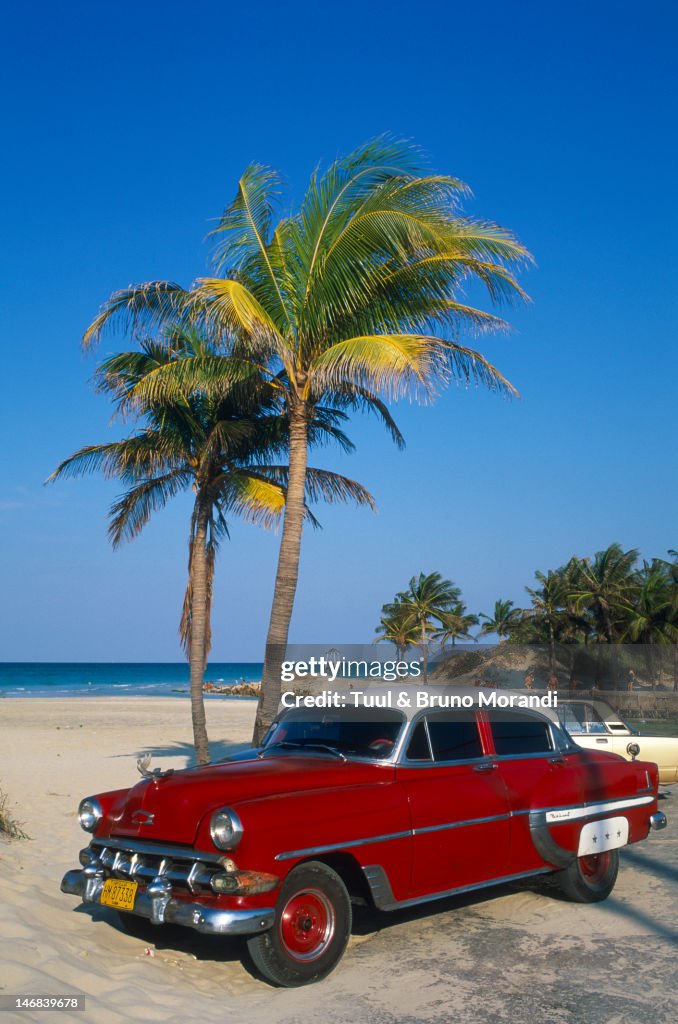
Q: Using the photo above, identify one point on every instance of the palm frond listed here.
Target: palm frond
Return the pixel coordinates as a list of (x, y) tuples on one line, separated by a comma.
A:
[(138, 308), (146, 452), (130, 513), (323, 485), (392, 365), (243, 235)]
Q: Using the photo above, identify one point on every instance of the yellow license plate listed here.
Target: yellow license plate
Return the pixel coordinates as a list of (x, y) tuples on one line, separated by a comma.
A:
[(119, 894)]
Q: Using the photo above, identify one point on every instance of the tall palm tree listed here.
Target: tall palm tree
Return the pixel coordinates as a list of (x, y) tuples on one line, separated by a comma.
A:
[(354, 299), (428, 601), (220, 448), (503, 619)]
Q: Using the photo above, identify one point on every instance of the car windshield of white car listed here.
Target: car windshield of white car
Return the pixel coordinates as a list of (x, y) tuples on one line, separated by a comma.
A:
[(361, 732)]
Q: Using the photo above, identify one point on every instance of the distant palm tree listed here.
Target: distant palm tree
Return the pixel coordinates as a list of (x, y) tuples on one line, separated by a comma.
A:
[(653, 617), (604, 586), (353, 299), (398, 626), (504, 618), (548, 613), (219, 449), (428, 600), (455, 625)]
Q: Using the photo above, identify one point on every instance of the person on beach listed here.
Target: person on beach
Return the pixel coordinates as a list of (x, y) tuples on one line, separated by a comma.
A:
[(553, 682), (528, 679)]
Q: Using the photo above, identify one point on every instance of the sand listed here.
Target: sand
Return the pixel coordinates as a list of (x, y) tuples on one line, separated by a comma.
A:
[(511, 954)]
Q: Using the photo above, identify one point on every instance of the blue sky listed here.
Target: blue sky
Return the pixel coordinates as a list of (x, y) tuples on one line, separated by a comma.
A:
[(125, 129)]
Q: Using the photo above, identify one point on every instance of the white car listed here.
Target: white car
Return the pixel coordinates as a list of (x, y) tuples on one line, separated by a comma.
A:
[(596, 725)]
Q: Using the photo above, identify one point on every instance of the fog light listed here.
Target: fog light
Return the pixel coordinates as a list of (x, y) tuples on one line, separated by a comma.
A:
[(224, 883)]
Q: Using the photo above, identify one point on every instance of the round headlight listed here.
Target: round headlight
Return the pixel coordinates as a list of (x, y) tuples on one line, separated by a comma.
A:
[(89, 813), (225, 829)]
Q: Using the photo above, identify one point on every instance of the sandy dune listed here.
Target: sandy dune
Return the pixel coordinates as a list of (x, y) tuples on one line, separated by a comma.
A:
[(515, 954)]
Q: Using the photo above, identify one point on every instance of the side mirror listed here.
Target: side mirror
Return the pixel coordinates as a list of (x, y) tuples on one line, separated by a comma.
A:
[(633, 749)]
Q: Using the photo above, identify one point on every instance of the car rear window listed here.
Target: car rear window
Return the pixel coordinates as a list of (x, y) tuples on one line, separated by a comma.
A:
[(516, 733)]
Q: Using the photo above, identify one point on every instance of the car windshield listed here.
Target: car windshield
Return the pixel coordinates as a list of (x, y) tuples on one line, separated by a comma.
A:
[(361, 732)]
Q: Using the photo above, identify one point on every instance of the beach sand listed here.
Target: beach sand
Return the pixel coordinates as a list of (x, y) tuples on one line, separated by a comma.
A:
[(503, 955)]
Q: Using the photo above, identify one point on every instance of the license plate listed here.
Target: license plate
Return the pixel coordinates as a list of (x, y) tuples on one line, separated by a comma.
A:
[(119, 894)]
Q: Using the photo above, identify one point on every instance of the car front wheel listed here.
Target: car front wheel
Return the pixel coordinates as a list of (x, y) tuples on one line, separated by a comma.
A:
[(591, 878), (311, 928)]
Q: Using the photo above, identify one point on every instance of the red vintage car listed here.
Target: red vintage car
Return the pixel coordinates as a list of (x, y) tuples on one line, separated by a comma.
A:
[(386, 805)]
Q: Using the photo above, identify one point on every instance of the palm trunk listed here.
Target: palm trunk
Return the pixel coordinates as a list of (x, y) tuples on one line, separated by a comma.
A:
[(552, 647), (287, 573), (424, 651), (199, 601)]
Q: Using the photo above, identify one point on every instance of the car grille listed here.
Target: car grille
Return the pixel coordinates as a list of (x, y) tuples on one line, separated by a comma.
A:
[(142, 862)]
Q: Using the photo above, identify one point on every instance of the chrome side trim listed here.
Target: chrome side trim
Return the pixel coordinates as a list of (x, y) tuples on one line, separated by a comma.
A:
[(547, 816), (312, 850), (461, 824), (562, 815), (157, 849), (383, 897), (161, 909)]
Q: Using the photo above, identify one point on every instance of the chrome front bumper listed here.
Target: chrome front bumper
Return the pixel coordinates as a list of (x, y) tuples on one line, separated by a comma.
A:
[(158, 906)]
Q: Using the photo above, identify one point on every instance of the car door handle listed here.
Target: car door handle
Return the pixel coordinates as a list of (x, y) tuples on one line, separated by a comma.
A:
[(601, 739), (557, 760), (486, 766)]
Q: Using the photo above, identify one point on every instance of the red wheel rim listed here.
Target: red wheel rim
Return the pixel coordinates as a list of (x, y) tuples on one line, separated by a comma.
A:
[(307, 924), (594, 866)]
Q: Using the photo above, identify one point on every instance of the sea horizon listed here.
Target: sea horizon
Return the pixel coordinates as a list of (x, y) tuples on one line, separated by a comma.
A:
[(115, 678)]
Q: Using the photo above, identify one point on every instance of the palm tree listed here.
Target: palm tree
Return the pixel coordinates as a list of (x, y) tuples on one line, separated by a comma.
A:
[(219, 449), (397, 626), (456, 625), (653, 617), (354, 299), (548, 613), (428, 601), (504, 618), (603, 586)]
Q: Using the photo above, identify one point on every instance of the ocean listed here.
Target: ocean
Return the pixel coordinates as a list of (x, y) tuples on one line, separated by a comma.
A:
[(111, 679)]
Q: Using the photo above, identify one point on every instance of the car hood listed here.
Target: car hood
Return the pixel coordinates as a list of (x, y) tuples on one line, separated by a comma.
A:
[(169, 808)]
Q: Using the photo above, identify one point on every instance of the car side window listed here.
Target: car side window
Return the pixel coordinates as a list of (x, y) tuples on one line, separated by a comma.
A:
[(418, 748), (516, 733), (454, 736), (579, 718)]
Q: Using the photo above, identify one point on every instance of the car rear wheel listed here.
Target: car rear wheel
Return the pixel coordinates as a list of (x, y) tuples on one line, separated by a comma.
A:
[(311, 928), (591, 878)]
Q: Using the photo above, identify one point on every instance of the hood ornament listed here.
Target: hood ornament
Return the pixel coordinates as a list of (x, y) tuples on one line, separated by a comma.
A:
[(144, 768)]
